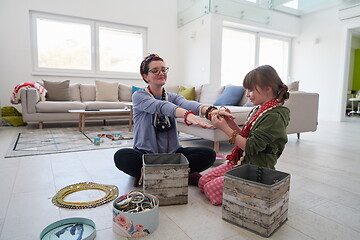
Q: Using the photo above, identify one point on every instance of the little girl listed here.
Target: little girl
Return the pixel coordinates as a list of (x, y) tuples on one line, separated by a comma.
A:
[(262, 138)]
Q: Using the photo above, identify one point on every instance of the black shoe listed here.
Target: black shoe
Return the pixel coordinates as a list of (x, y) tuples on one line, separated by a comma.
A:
[(194, 178)]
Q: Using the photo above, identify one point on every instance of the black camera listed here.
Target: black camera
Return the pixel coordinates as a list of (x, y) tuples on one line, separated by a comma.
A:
[(161, 123)]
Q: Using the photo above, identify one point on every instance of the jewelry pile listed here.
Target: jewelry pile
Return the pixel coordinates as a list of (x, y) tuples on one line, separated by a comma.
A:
[(111, 192), (117, 136), (135, 202)]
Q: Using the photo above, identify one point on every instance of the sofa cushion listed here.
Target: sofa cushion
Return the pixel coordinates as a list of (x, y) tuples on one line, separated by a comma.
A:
[(248, 104), (230, 96), (188, 93), (57, 91), (87, 92), (58, 106), (75, 92), (210, 93), (198, 93), (172, 89), (125, 92), (243, 100), (107, 91)]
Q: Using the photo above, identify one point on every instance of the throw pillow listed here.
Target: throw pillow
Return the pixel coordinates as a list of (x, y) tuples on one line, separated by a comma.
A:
[(107, 91), (125, 92), (74, 91), (293, 86), (230, 96), (87, 92), (248, 103), (57, 91), (172, 89), (209, 93), (188, 93), (134, 89)]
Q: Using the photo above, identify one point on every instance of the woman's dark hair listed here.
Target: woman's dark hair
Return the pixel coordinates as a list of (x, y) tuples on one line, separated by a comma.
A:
[(266, 76), (144, 66)]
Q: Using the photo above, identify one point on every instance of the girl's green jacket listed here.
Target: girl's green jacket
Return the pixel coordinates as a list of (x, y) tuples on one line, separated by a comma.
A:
[(267, 138)]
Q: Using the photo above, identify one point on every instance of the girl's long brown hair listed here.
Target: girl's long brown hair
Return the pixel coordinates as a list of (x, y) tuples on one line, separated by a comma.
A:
[(266, 76)]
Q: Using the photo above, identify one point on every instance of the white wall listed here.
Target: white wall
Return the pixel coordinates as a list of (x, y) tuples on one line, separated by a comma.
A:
[(318, 61), (194, 42), (159, 16)]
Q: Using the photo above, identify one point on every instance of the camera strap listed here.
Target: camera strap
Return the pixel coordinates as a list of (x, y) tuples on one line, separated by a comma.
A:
[(164, 97)]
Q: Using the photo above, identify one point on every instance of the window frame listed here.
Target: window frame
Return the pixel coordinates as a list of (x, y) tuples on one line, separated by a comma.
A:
[(94, 34), (258, 34)]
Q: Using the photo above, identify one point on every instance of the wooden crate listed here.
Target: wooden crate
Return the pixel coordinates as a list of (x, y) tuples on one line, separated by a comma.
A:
[(256, 198), (166, 176)]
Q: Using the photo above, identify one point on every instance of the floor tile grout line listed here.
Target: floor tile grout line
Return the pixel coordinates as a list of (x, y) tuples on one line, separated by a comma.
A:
[(12, 194), (54, 184), (175, 224), (330, 219)]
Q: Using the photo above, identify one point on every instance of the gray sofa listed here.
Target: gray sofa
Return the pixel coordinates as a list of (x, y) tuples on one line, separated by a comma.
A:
[(82, 96), (303, 108)]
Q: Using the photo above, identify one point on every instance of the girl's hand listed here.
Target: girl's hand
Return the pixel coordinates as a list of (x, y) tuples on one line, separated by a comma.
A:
[(220, 122), (224, 112), (231, 123)]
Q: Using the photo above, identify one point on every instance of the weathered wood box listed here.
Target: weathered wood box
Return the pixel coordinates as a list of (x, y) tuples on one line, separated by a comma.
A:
[(256, 198), (166, 177)]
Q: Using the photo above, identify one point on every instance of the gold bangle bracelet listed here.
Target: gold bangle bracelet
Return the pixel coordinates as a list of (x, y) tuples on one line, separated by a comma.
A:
[(233, 137)]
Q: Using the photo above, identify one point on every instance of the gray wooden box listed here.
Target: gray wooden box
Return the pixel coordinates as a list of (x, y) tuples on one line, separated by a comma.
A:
[(256, 198), (166, 177)]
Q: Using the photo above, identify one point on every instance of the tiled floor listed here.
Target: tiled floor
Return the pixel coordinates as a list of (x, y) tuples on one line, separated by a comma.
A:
[(324, 192)]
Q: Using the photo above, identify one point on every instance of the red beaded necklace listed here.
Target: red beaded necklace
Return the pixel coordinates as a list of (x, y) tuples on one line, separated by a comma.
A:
[(237, 152)]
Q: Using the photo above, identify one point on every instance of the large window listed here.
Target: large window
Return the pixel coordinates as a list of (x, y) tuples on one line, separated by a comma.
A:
[(75, 46), (242, 51), (275, 52)]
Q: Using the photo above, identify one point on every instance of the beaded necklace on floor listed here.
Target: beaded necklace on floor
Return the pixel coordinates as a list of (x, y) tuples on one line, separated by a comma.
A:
[(111, 192)]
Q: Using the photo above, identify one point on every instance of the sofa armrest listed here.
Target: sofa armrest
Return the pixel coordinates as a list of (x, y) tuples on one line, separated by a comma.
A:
[(304, 108), (29, 98)]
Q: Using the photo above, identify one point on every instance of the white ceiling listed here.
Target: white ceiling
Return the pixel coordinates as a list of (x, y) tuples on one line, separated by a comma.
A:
[(309, 6)]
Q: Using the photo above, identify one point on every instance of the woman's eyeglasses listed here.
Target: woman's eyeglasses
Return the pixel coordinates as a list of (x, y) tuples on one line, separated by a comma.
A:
[(158, 71)]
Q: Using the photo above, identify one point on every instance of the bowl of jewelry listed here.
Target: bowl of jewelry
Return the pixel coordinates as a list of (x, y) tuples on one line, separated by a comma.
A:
[(135, 214)]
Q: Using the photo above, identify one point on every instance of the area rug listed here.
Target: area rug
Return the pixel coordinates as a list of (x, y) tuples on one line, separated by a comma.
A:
[(59, 140), (31, 142)]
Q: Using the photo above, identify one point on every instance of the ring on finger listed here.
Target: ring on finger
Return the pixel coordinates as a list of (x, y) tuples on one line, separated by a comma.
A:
[(222, 107)]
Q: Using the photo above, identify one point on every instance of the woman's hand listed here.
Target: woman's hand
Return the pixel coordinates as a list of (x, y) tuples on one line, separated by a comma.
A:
[(196, 120)]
